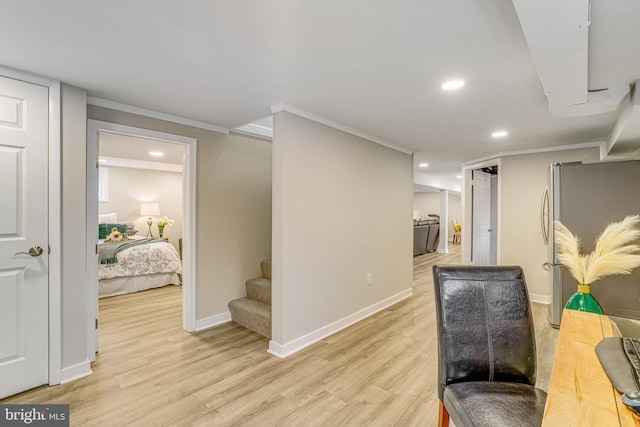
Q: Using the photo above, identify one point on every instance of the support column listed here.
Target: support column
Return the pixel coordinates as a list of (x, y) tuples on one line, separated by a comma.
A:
[(443, 245)]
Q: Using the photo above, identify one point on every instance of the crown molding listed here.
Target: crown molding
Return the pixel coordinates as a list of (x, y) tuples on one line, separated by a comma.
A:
[(251, 134), (276, 108), (105, 103), (535, 151)]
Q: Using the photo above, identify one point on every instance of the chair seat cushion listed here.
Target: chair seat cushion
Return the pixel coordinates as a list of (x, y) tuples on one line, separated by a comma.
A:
[(494, 404)]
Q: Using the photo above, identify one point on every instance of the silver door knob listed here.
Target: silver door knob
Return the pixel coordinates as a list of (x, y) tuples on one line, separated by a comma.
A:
[(34, 251)]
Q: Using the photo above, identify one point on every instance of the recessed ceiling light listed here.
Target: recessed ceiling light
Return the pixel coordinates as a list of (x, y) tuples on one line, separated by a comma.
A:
[(459, 176), (424, 165), (500, 134), (453, 84), (156, 153)]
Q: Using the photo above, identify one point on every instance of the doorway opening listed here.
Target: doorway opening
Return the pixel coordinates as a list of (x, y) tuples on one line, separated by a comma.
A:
[(481, 200), (135, 203)]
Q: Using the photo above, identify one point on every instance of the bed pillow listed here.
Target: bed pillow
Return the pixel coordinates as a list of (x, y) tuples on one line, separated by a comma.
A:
[(105, 229), (109, 218), (131, 228)]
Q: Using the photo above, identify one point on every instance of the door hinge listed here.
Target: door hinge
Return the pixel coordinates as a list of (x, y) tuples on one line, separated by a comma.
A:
[(96, 249), (96, 323)]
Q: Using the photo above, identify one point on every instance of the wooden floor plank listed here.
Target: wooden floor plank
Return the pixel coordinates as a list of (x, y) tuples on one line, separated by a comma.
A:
[(379, 372)]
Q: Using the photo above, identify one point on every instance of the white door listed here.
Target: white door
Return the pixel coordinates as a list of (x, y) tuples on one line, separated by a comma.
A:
[(24, 316), (481, 213)]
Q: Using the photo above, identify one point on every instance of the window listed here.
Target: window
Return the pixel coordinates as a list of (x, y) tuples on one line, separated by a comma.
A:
[(103, 185)]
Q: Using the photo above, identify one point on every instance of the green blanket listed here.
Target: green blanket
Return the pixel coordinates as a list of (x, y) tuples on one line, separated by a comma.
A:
[(107, 251)]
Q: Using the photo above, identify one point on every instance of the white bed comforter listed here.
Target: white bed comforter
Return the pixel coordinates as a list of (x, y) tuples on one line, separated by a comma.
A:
[(152, 258)]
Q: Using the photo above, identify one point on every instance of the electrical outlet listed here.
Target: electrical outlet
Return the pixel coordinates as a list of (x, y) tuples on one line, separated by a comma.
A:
[(368, 278)]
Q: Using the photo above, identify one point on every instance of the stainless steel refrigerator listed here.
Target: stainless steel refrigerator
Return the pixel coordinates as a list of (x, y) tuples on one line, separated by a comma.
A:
[(585, 198)]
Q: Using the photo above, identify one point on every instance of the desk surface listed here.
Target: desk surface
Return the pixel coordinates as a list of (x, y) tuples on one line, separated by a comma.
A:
[(580, 393)]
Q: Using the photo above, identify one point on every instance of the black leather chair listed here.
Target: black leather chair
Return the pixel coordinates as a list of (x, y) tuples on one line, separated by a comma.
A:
[(486, 348)]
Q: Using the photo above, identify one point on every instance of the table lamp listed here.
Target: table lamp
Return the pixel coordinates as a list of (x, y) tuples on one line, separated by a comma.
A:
[(149, 210)]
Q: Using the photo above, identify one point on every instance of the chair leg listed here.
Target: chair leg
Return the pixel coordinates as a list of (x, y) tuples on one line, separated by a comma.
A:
[(443, 415)]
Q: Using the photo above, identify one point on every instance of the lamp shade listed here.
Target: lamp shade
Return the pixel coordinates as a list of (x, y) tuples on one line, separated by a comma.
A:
[(149, 209)]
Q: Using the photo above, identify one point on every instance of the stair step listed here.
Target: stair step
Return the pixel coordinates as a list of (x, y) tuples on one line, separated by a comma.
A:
[(252, 314), (259, 289), (265, 268)]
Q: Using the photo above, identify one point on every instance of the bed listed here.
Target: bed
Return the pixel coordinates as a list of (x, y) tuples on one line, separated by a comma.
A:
[(139, 263)]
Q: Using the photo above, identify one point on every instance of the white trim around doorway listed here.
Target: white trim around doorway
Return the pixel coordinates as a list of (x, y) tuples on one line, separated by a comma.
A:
[(467, 208), (96, 127)]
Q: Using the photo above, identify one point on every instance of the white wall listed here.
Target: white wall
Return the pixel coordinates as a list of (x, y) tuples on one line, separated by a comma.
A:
[(234, 218), (74, 203), (128, 187), (342, 208), (524, 178), (426, 203), (429, 203), (233, 199)]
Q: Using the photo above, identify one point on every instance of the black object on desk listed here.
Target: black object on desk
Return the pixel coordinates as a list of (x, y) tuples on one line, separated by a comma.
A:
[(620, 359)]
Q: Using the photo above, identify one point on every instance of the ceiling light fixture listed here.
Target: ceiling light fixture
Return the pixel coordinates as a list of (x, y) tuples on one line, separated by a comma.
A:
[(500, 134), (459, 176), (453, 84), (424, 165), (156, 153)]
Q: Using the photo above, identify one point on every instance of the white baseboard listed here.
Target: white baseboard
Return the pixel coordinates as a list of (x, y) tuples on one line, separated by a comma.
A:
[(287, 349), (75, 372), (211, 321), (539, 298)]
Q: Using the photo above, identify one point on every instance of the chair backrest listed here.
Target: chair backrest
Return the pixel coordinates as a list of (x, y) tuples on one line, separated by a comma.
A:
[(485, 325)]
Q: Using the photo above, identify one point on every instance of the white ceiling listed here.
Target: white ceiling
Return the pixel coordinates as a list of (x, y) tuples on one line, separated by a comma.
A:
[(115, 146), (372, 65)]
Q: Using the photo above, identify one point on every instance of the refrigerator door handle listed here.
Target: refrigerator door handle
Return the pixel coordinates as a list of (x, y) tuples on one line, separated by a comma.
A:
[(547, 266), (544, 216)]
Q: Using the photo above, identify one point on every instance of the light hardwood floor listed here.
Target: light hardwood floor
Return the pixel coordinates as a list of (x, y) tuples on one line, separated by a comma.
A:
[(378, 372)]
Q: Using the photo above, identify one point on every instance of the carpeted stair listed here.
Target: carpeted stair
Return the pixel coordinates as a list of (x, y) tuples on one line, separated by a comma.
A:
[(254, 311)]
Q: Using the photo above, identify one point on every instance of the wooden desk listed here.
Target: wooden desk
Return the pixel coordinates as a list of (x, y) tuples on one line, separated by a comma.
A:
[(580, 393)]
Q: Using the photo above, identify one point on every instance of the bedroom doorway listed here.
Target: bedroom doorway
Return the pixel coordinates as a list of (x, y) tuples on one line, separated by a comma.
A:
[(135, 144)]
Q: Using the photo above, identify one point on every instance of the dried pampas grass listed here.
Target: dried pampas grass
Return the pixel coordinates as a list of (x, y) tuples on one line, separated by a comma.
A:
[(613, 253)]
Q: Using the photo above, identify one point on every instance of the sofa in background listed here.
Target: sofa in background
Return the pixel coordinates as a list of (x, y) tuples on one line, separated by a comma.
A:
[(426, 236)]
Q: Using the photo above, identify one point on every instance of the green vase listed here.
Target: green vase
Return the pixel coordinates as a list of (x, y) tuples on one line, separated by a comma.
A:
[(160, 229), (584, 301)]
